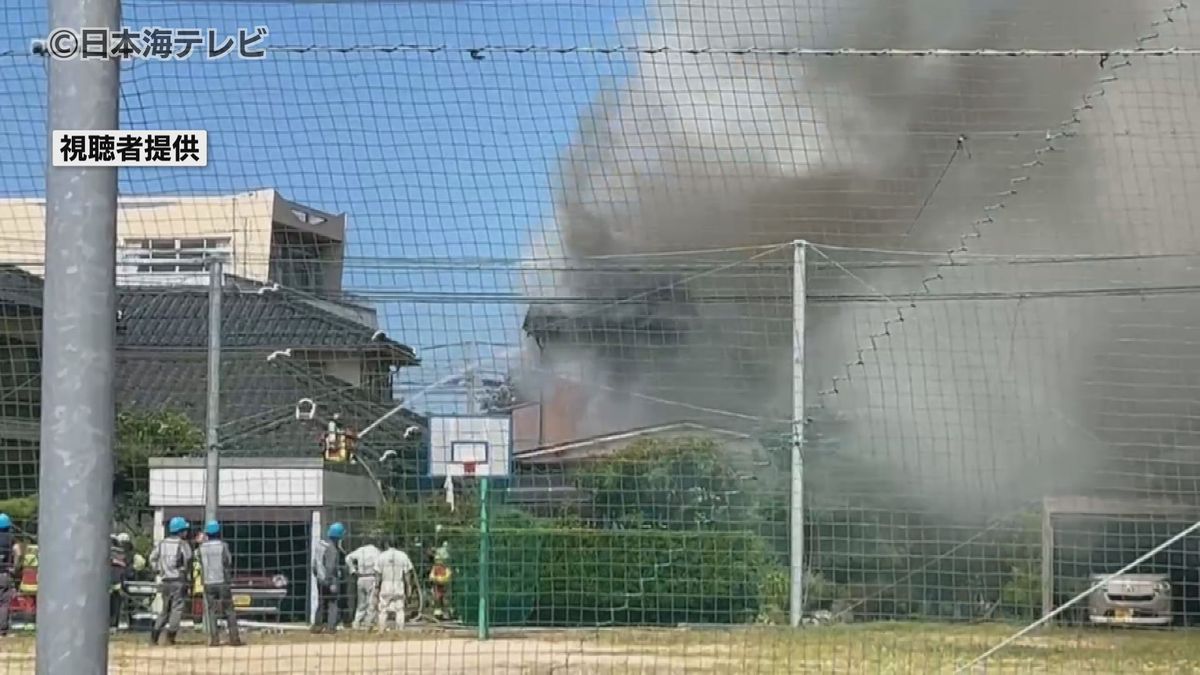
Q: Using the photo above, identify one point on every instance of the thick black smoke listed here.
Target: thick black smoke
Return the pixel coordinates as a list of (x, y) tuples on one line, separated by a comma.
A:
[(968, 403)]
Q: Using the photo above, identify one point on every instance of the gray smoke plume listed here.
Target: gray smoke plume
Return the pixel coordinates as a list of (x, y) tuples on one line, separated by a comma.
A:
[(968, 403)]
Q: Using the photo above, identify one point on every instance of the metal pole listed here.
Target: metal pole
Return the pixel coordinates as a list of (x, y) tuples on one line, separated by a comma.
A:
[(212, 462), (796, 535), (484, 558), (212, 421), (484, 539), (78, 369), (470, 370)]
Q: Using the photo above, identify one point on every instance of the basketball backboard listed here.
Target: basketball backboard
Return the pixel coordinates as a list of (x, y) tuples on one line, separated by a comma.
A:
[(465, 446)]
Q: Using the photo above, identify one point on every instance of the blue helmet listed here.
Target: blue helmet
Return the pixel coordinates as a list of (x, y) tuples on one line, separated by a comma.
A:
[(212, 527), (178, 524), (336, 531), (5, 521)]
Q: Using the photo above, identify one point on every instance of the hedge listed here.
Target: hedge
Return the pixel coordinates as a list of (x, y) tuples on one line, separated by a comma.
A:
[(586, 577)]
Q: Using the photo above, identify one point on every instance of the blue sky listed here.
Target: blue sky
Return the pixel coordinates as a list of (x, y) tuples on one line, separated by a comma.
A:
[(436, 158)]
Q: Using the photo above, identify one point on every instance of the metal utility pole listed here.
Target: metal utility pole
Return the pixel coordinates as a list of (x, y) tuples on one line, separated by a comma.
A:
[(78, 409), (471, 371), (796, 534), (212, 420), (212, 463)]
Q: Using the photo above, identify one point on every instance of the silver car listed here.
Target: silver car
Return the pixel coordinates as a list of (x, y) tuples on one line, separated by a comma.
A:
[(1131, 599)]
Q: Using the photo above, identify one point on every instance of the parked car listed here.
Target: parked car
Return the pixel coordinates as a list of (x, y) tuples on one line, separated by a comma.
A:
[(1132, 599), (257, 596), (254, 595)]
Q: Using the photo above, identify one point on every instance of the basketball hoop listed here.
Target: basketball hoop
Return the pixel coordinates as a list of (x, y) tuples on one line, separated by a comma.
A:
[(469, 468)]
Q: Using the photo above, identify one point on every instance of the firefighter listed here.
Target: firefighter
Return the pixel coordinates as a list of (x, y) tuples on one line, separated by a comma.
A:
[(122, 562), (27, 572), (8, 563), (339, 442), (327, 565), (335, 439), (215, 563), (171, 560), (439, 576)]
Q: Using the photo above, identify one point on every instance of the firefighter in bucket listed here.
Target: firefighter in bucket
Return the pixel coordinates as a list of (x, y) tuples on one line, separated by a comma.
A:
[(337, 443)]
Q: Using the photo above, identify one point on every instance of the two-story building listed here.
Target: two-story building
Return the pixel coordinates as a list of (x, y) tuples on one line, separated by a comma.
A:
[(260, 235)]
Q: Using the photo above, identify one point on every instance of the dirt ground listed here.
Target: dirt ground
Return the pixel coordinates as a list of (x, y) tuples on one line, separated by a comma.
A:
[(869, 648)]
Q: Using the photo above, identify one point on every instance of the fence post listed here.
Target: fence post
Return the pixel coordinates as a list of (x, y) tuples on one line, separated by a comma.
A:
[(796, 533), (78, 363), (472, 370)]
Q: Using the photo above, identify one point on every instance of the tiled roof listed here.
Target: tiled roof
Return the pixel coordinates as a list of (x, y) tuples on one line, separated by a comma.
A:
[(18, 287), (162, 364), (627, 324), (252, 317), (258, 401)]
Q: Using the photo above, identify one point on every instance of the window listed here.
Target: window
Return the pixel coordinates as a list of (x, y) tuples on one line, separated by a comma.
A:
[(299, 268), (170, 261), (296, 261), (172, 256)]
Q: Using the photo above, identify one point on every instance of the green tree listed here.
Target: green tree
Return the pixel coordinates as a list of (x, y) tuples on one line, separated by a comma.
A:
[(21, 509), (141, 435), (672, 484)]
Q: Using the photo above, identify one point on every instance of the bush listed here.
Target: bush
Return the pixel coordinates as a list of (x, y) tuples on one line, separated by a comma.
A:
[(584, 577), (675, 484), (774, 594), (1021, 597), (20, 509)]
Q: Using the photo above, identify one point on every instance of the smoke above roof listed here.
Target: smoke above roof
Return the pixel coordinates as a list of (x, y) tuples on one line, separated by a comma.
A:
[(968, 402)]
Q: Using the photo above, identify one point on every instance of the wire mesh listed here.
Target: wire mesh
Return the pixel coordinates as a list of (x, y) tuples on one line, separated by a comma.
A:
[(584, 217)]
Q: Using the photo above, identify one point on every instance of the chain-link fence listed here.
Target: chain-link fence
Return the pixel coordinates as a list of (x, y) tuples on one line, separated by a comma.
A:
[(812, 337)]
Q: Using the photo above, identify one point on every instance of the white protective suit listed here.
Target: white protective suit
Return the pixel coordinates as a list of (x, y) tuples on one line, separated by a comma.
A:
[(393, 567), (361, 562)]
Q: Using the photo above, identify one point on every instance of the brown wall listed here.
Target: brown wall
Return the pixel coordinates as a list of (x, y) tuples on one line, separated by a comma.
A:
[(554, 420)]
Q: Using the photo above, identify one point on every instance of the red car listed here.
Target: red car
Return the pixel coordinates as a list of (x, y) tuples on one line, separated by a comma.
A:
[(254, 595)]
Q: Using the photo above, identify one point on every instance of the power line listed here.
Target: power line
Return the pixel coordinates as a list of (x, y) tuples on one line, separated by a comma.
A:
[(480, 51)]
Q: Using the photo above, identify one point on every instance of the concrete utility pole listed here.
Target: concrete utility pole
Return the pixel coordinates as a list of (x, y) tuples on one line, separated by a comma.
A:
[(212, 464), (796, 535), (78, 410)]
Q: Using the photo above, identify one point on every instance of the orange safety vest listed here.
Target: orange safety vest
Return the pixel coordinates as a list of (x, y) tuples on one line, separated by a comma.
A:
[(440, 574), (197, 577), (29, 564), (341, 447)]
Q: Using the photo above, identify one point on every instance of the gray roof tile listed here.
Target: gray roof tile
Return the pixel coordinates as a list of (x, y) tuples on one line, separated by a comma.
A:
[(162, 363)]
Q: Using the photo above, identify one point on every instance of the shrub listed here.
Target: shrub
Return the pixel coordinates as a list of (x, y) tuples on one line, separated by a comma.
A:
[(585, 577), (676, 484), (20, 509)]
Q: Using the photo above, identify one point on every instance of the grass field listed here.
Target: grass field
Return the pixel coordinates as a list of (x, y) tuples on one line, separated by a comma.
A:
[(867, 648)]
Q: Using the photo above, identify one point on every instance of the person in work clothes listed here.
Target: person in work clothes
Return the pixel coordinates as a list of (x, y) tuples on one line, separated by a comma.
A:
[(172, 562), (215, 563), (327, 564), (8, 564), (439, 577), (361, 562), (394, 568)]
